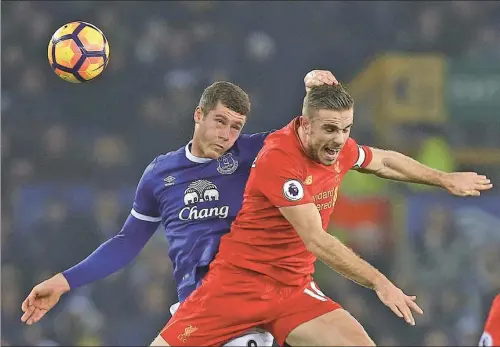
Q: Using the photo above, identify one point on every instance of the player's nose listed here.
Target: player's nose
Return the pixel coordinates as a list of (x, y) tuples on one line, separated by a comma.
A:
[(224, 133), (339, 139), (337, 142)]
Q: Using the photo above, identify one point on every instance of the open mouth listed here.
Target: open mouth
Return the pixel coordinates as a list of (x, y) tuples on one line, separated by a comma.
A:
[(332, 152)]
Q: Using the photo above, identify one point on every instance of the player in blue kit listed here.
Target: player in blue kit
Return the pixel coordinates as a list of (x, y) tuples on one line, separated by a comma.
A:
[(195, 192)]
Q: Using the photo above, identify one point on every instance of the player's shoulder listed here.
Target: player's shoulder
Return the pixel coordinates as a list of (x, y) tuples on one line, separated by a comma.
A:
[(282, 147), (253, 141), (170, 157), (279, 153), (351, 144), (283, 142), (247, 146), (350, 151), (165, 161), (287, 135), (254, 137), (496, 303)]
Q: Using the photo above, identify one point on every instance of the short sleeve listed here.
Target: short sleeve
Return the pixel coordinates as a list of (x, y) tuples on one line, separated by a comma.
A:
[(357, 156), (279, 176), (145, 205)]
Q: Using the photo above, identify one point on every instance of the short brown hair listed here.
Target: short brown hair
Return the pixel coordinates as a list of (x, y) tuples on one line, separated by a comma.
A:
[(326, 97), (229, 95)]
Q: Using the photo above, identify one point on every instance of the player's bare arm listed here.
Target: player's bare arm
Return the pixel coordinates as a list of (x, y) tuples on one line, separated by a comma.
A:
[(306, 220), (399, 167)]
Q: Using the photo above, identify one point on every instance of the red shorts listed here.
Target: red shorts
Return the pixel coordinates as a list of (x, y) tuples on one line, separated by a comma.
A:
[(233, 300)]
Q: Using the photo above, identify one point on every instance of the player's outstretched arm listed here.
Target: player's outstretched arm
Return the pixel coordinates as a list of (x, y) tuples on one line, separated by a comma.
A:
[(399, 167), (306, 220), (110, 257)]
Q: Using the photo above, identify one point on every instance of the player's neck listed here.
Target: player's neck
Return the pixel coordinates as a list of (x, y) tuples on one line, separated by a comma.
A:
[(302, 138), (195, 149)]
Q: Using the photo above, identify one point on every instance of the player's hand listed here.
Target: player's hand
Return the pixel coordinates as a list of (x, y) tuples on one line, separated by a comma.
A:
[(466, 183), (318, 78), (394, 298), (42, 298)]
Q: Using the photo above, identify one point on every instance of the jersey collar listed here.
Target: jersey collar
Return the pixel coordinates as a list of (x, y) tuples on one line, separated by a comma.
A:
[(192, 157), (295, 129)]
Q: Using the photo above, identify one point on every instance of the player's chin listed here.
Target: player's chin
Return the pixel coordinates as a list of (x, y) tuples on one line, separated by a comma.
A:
[(215, 152), (212, 154), (328, 162), (327, 159)]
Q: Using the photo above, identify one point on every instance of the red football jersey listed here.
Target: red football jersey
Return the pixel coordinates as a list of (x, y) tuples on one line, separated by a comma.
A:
[(261, 239), (491, 334)]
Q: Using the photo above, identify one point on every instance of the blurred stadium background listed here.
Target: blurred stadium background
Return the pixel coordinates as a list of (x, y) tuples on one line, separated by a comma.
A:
[(426, 79)]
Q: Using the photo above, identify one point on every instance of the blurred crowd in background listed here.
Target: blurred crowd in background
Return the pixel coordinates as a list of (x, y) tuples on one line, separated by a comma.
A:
[(72, 155)]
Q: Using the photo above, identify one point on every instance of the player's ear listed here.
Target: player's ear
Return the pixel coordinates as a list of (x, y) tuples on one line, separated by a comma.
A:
[(305, 124), (198, 115)]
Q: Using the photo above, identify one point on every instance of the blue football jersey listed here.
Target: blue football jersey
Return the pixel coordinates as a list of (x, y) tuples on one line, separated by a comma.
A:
[(196, 199)]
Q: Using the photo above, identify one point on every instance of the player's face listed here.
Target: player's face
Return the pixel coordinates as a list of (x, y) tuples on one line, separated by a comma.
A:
[(216, 132), (326, 134)]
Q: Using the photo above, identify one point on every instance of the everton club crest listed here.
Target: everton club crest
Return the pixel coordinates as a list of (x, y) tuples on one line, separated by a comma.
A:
[(227, 164)]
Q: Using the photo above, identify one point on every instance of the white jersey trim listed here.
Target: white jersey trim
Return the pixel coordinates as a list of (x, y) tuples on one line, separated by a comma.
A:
[(486, 340), (361, 157), (144, 217), (174, 308), (194, 158)]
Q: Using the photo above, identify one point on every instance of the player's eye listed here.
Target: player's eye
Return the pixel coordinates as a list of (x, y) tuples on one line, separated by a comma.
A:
[(345, 131), (220, 121), (236, 127)]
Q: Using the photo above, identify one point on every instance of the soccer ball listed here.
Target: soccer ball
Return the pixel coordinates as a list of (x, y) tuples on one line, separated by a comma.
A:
[(78, 52)]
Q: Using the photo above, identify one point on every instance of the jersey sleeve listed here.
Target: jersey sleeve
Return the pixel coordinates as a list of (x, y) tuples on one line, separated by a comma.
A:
[(357, 156), (113, 254), (278, 176), (145, 205)]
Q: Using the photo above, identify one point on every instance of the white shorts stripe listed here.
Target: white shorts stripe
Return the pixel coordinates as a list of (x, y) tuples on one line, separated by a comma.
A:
[(143, 217), (316, 289), (314, 295)]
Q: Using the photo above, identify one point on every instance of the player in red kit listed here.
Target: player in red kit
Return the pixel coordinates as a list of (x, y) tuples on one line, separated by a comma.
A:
[(491, 334), (262, 275)]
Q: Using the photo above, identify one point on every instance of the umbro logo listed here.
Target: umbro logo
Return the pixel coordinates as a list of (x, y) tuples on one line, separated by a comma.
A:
[(169, 181)]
